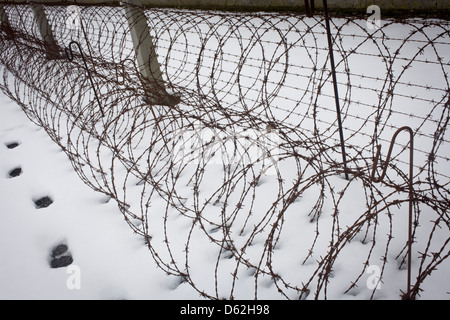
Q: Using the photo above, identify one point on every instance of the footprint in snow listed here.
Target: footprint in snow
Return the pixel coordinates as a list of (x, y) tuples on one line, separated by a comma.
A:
[(12, 145), (60, 256), (15, 172), (43, 202)]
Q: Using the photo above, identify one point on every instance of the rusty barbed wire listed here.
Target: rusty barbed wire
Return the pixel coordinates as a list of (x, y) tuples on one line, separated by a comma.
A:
[(238, 147)]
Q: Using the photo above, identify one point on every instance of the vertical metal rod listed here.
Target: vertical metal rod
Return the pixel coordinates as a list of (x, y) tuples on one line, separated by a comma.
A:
[(312, 6), (87, 42), (307, 7), (69, 54), (407, 295), (336, 93)]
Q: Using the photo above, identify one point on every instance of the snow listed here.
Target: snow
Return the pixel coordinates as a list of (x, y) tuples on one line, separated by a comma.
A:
[(112, 262)]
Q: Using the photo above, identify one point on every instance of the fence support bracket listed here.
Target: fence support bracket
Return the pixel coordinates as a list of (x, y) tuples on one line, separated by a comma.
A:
[(407, 294)]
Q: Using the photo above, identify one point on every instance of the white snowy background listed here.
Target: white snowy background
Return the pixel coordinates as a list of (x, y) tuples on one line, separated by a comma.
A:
[(111, 261)]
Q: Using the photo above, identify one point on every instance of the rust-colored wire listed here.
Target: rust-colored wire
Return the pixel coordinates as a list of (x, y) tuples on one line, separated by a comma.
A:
[(408, 292), (249, 147)]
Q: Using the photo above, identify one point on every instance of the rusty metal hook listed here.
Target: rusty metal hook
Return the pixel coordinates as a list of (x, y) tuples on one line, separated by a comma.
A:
[(407, 295), (70, 57)]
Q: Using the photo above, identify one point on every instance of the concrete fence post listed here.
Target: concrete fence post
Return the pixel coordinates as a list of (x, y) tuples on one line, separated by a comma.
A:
[(147, 59), (51, 47), (4, 22)]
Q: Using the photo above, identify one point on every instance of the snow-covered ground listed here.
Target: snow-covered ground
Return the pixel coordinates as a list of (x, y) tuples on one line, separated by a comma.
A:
[(111, 262)]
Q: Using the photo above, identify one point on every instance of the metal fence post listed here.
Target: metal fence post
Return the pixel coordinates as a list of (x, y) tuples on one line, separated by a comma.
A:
[(309, 7)]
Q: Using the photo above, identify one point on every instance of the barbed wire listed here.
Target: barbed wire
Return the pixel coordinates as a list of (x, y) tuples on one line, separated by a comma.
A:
[(218, 165)]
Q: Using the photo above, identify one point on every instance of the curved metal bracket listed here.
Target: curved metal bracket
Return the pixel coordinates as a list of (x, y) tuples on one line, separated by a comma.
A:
[(408, 293), (70, 57)]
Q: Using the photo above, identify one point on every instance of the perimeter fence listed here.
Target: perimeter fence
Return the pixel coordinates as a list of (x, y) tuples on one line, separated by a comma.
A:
[(216, 134)]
